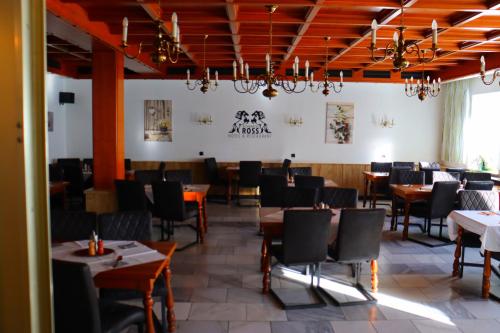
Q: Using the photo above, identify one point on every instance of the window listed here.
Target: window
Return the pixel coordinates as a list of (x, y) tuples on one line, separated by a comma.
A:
[(482, 141)]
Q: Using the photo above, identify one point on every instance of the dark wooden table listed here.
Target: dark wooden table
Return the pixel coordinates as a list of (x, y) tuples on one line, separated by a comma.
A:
[(372, 178), (142, 278)]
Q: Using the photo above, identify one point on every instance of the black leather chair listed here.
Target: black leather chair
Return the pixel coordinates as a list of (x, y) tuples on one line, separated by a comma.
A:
[(170, 207), (272, 190), (286, 166), (185, 176), (394, 179), (441, 203), (64, 162), (77, 308), (358, 241), (131, 225), (300, 171), (404, 164), (273, 171), (305, 242), (474, 200), (130, 195), (148, 177), (212, 173), (382, 188), (249, 174), (309, 181), (477, 176), (338, 197), (460, 171), (74, 191), (428, 168), (88, 163), (162, 167), (300, 197), (444, 176), (479, 185), (71, 225), (405, 177), (55, 173), (380, 166), (128, 164)]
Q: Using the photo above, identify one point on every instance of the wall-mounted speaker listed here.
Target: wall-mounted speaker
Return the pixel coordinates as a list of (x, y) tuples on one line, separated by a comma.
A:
[(66, 98)]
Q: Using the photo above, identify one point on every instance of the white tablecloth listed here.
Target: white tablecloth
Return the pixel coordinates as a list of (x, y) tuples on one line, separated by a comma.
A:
[(486, 224), (133, 253)]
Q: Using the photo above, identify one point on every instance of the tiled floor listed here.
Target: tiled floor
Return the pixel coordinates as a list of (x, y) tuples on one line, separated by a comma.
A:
[(217, 287)]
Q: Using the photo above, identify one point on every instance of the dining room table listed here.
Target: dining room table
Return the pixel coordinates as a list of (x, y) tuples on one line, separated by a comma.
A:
[(128, 265), (372, 180), (486, 224), (271, 224), (192, 192)]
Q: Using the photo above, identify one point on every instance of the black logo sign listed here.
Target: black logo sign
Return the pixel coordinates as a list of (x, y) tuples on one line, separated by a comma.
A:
[(249, 126)]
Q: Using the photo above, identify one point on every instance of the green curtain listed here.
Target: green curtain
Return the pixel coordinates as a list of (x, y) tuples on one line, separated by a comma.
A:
[(457, 101)]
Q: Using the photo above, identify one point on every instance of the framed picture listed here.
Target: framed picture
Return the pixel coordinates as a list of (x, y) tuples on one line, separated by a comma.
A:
[(339, 123), (50, 121), (158, 120)]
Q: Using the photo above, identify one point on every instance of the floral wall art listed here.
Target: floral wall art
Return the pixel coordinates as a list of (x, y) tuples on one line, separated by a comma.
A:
[(339, 123), (158, 120)]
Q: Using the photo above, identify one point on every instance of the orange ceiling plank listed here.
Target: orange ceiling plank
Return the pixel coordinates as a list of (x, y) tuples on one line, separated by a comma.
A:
[(234, 26), (78, 16), (470, 68)]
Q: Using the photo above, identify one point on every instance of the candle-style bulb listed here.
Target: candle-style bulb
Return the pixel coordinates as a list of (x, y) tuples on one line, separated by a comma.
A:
[(188, 74), (434, 32), (483, 64), (234, 70), (374, 31), (395, 37), (125, 30), (341, 76)]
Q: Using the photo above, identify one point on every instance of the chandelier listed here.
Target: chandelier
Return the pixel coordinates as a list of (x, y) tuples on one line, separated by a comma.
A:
[(270, 80), (165, 47), (496, 73), (205, 81), (326, 84), (424, 87), (399, 47)]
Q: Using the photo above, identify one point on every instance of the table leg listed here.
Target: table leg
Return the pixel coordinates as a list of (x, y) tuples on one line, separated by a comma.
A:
[(486, 274), (458, 251), (148, 311), (374, 194), (201, 229), (394, 224), (407, 220), (205, 221), (263, 253), (366, 191), (374, 270), (169, 299)]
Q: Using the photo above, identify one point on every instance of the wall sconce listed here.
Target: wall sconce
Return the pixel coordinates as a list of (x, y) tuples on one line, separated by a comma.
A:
[(205, 120), (386, 122), (295, 121)]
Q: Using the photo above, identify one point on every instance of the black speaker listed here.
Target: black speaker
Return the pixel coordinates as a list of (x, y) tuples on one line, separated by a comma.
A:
[(66, 98)]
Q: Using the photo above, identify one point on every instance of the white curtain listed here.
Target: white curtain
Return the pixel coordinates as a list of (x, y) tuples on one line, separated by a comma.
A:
[(457, 104)]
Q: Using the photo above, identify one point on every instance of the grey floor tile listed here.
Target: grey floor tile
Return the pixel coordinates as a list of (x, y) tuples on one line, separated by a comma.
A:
[(217, 311), (265, 312), (225, 281), (478, 326), (353, 327), (327, 313), (363, 313), (247, 295), (301, 327), (431, 326), (249, 327), (209, 295), (484, 309), (202, 326), (395, 326)]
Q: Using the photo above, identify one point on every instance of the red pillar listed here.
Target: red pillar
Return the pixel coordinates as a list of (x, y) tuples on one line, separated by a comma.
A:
[(107, 116)]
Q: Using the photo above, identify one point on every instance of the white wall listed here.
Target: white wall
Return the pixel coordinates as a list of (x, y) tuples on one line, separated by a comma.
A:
[(415, 136), (57, 138)]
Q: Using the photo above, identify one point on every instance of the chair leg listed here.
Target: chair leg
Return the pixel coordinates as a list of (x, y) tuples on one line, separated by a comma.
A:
[(318, 273), (441, 227), (462, 261), (313, 273), (353, 270), (162, 229)]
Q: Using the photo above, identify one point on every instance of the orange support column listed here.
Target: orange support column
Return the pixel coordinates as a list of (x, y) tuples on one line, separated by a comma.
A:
[(107, 116)]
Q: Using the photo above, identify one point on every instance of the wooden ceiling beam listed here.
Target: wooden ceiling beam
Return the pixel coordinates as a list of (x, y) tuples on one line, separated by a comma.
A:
[(470, 68), (234, 26)]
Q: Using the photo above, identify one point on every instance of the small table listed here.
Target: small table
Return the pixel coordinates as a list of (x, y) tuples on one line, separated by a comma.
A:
[(409, 193), (141, 277), (483, 223), (373, 178), (271, 223), (192, 192)]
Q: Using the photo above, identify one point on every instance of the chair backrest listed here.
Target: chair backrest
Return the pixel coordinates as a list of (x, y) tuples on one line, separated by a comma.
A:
[(128, 164), (444, 195), (73, 175), (429, 165), (272, 190), (309, 181), (130, 195), (337, 197), (64, 162), (76, 308), (404, 164), (148, 177), (273, 171), (477, 176), (394, 174), (161, 169), (478, 200), (302, 171), (211, 170), (71, 225), (300, 197), (482, 185), (285, 166), (55, 173), (249, 173), (125, 226), (411, 177), (169, 200), (305, 236), (359, 235), (185, 176), (443, 176), (428, 172), (460, 171), (380, 166)]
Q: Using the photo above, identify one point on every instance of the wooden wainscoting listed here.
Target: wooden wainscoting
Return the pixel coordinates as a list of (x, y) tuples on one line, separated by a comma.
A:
[(345, 175)]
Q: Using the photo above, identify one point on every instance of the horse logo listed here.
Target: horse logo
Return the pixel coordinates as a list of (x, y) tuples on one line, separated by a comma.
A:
[(242, 117)]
